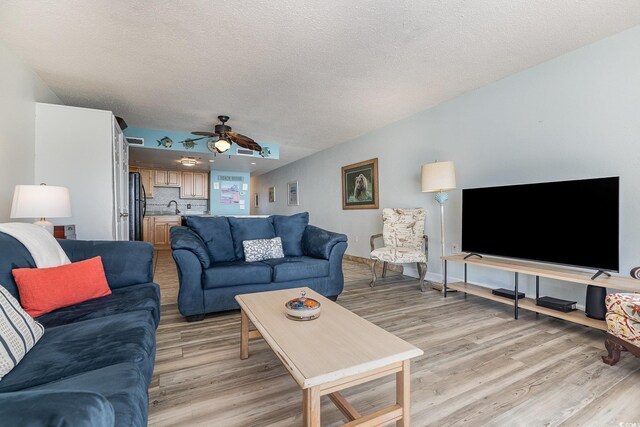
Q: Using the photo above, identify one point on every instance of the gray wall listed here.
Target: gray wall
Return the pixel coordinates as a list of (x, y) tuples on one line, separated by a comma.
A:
[(20, 89), (576, 116)]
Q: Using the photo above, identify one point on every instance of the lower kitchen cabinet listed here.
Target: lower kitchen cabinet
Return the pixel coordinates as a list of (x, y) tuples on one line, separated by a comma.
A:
[(155, 229)]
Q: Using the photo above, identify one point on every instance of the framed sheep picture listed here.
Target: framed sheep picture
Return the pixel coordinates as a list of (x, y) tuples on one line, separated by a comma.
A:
[(360, 185)]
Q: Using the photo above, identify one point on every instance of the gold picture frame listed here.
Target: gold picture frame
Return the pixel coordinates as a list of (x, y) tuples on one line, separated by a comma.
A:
[(360, 185)]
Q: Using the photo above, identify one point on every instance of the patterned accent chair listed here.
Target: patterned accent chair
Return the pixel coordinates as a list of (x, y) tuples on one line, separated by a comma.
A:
[(404, 241), (623, 326)]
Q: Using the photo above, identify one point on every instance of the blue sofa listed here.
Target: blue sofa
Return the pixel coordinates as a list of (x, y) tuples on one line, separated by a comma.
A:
[(93, 365), (212, 270)]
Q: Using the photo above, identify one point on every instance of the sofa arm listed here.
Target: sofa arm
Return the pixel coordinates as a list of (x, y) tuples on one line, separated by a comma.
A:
[(56, 408), (187, 239), (318, 243), (125, 263), (191, 293)]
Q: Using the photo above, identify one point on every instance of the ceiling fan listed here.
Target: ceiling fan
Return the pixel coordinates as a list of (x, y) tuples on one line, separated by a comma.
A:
[(222, 136)]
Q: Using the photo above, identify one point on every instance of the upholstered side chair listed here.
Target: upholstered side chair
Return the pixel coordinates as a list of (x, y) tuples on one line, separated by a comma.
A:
[(404, 242), (623, 326)]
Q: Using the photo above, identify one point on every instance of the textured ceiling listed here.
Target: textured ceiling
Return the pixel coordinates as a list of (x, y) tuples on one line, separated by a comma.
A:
[(304, 74)]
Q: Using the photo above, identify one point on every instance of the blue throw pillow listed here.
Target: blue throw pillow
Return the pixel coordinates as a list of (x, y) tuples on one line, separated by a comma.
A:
[(216, 234), (290, 229), (250, 229)]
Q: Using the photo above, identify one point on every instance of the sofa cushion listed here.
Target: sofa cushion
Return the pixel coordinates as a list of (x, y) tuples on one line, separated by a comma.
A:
[(68, 350), (145, 296), (216, 234), (225, 274), (250, 229), (122, 385), (45, 289), (18, 332), (56, 408), (186, 238), (286, 269), (260, 249), (290, 229)]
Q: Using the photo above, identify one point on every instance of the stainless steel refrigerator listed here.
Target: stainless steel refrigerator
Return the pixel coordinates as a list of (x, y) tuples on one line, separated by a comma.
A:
[(137, 206)]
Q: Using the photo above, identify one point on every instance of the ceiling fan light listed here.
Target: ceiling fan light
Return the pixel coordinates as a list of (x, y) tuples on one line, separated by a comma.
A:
[(223, 145)]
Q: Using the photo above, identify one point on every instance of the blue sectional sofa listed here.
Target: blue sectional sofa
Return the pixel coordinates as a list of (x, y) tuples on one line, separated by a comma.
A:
[(212, 269), (93, 365)]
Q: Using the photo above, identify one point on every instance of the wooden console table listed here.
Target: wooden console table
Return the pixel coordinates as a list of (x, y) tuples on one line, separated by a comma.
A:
[(550, 272)]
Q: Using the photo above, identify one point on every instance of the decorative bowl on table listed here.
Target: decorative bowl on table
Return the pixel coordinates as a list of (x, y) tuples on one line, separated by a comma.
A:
[(302, 308)]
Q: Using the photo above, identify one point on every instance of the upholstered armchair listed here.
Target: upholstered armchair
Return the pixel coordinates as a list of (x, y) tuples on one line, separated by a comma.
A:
[(404, 241), (623, 326)]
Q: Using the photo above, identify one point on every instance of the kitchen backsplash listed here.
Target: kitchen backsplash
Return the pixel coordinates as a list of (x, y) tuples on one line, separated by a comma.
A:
[(162, 196)]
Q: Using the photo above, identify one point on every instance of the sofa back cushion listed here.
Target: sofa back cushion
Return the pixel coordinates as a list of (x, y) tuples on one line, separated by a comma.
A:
[(250, 229), (13, 254), (216, 234), (290, 229)]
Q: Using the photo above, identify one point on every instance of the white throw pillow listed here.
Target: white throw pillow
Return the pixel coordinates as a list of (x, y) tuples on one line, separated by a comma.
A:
[(18, 332), (261, 249)]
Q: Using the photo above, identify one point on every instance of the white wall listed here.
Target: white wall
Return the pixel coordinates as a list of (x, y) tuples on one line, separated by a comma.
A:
[(577, 116), (20, 89), (74, 148)]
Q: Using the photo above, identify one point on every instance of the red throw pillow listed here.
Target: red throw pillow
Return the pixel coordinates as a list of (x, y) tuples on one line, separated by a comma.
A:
[(45, 289)]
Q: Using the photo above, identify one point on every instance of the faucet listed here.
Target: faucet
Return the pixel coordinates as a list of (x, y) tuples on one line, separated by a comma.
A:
[(173, 201)]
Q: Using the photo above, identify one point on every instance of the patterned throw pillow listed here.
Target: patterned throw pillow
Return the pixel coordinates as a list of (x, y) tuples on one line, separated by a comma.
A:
[(18, 332), (260, 249)]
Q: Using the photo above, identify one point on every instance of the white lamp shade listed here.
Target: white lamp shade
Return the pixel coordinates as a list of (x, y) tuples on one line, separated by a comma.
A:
[(222, 145), (438, 176), (40, 201)]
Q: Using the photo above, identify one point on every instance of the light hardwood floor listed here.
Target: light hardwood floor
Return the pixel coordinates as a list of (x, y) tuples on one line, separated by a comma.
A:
[(481, 367)]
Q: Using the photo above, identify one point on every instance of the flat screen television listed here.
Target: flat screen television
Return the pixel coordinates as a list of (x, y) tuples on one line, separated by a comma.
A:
[(567, 222)]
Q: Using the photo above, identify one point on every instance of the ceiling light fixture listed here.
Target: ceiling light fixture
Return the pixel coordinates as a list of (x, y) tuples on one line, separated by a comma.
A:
[(253, 163), (188, 161), (222, 145)]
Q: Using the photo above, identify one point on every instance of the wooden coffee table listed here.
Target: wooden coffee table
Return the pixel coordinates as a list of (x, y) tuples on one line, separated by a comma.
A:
[(336, 351)]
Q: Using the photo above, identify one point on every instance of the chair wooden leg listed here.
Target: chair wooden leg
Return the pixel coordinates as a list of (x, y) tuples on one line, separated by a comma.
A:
[(384, 269), (614, 349), (422, 270), (373, 273)]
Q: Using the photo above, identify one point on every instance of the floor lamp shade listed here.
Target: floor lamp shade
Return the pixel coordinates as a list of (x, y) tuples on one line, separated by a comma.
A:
[(40, 201), (438, 176)]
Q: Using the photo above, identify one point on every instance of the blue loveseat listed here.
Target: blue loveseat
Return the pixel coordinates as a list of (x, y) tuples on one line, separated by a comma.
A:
[(93, 365), (212, 269)]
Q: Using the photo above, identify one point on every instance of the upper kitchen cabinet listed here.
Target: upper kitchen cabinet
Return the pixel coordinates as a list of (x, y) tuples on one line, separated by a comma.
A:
[(195, 185), (85, 150), (163, 178), (147, 177)]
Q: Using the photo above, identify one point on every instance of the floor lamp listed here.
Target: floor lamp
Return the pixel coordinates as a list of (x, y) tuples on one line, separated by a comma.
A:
[(439, 177)]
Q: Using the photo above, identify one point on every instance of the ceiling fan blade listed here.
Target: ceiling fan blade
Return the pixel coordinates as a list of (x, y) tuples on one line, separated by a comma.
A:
[(245, 141), (208, 134), (237, 135), (195, 139)]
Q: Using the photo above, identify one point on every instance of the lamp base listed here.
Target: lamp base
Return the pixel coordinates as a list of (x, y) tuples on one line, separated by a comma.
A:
[(47, 225)]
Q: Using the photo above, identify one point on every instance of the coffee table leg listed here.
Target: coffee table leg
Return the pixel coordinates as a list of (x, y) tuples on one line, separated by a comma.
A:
[(244, 335), (311, 407), (403, 393)]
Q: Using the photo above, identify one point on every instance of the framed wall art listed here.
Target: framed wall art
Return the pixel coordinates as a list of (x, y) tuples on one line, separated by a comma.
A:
[(256, 200), (360, 185), (292, 193), (272, 194)]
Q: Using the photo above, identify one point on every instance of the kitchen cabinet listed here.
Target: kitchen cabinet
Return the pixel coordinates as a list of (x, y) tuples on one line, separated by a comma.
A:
[(158, 228), (166, 178), (195, 185)]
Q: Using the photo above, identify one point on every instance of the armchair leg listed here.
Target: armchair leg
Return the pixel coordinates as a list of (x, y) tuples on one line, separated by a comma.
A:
[(384, 269), (373, 273), (422, 270)]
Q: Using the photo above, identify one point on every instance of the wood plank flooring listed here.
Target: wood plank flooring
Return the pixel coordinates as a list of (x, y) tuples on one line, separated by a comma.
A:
[(481, 367)]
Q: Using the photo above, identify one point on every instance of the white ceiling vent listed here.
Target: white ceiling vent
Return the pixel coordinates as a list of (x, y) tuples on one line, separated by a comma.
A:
[(135, 141), (244, 152)]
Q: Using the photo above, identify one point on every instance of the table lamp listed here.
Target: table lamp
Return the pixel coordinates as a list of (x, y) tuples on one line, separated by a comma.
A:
[(439, 177), (41, 201)]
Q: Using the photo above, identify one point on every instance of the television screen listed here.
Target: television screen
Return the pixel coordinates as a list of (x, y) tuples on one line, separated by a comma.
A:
[(567, 222)]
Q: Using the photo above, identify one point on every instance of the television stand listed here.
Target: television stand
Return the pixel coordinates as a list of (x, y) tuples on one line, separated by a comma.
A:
[(471, 254), (537, 270), (599, 273)]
